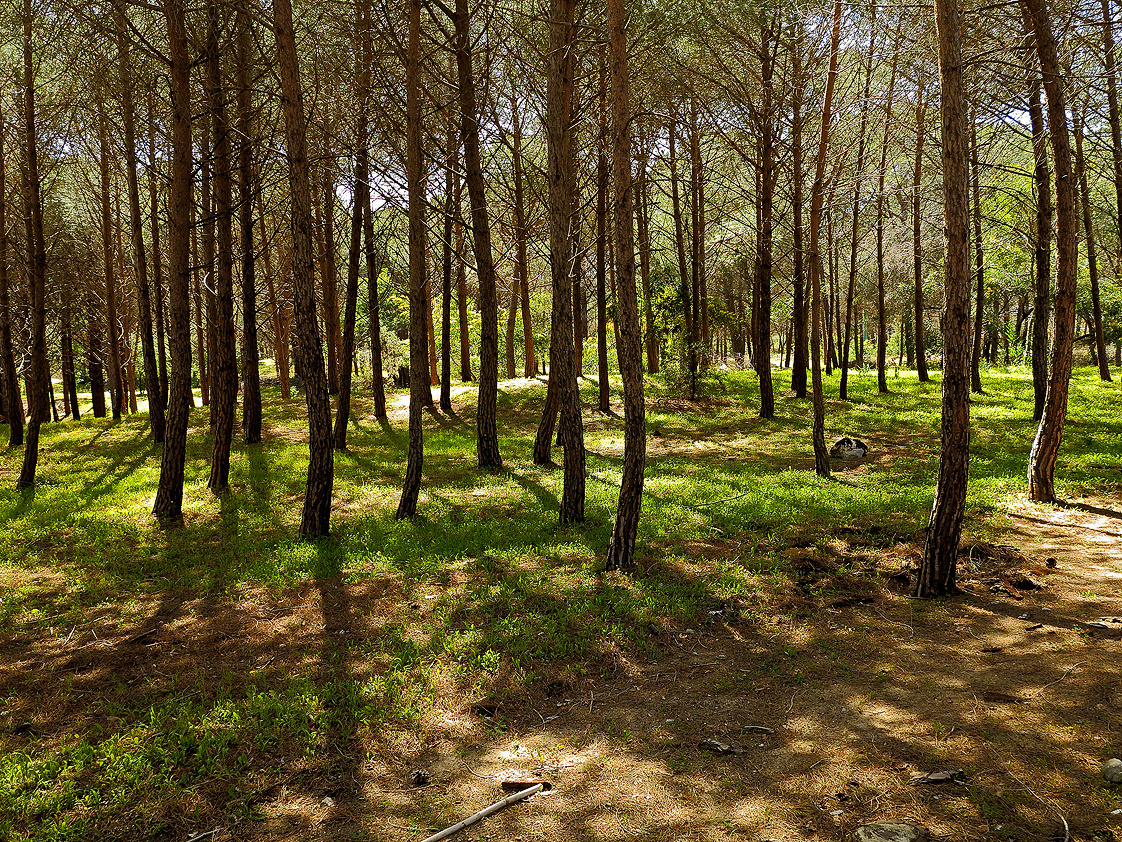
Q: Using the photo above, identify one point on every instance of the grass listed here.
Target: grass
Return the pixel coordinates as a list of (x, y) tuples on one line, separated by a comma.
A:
[(273, 657)]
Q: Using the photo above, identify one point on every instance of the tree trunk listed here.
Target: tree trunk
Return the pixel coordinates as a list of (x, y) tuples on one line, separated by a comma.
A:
[(279, 317), (843, 389), (360, 201), (316, 516), (225, 362), (798, 305), (561, 175), (642, 218), (168, 505), (329, 278), (603, 392), (1115, 123), (1046, 446), (1042, 276), (821, 456), (66, 351), (1099, 345), (446, 297), (251, 356), (522, 266), (937, 570), (418, 385), (979, 264), (154, 181), (373, 271), (882, 315), (37, 379), (140, 263), (621, 545), (917, 242), (683, 270), (769, 43), (9, 379), (116, 387), (486, 425)]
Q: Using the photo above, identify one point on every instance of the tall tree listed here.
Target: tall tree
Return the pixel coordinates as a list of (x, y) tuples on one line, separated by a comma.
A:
[(168, 505), (1046, 445), (316, 517), (418, 376), (486, 424), (621, 545), (940, 551), (224, 370), (9, 379), (112, 324), (1042, 268), (821, 456), (561, 176), (251, 368), (1092, 262), (917, 239), (140, 261), (37, 383)]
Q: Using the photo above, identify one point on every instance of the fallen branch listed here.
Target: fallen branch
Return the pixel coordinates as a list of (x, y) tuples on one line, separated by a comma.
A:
[(485, 812), (1061, 678)]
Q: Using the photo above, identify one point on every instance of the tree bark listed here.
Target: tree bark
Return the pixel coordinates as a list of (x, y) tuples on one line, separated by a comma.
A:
[(37, 379), (522, 266), (769, 43), (1042, 274), (373, 271), (603, 392), (251, 356), (979, 263), (418, 380), (446, 291), (168, 505), (821, 456), (917, 241), (140, 263), (1111, 74), (561, 176), (486, 424), (9, 379), (157, 254), (1099, 346), (112, 326), (882, 315), (799, 357), (621, 545), (1046, 445), (224, 372), (937, 570), (316, 516)]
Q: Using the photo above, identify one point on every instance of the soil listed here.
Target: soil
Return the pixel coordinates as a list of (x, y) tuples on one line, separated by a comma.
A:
[(827, 706)]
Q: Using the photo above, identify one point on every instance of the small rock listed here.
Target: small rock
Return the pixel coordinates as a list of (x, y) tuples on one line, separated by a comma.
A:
[(328, 801), (890, 833), (1112, 770), (848, 448), (1023, 617), (718, 747), (943, 777)]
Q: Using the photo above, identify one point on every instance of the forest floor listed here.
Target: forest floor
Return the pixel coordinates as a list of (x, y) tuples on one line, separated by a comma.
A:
[(763, 674)]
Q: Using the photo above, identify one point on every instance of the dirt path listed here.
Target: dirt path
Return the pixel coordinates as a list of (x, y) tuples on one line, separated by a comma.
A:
[(831, 712)]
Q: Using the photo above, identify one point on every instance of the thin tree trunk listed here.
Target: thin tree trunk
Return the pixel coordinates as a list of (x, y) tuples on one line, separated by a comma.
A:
[(522, 266), (1046, 445), (621, 545), (360, 200), (940, 552), (917, 242), (373, 271), (562, 177), (116, 387), (316, 516), (799, 362), (843, 389), (276, 308), (769, 44), (225, 362), (821, 456), (407, 506), (979, 263), (37, 380), (168, 505), (9, 379), (882, 315), (446, 244), (1115, 123), (1042, 279), (642, 218), (157, 254), (140, 263), (683, 270), (486, 424), (251, 356), (603, 392), (330, 283), (1099, 346)]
